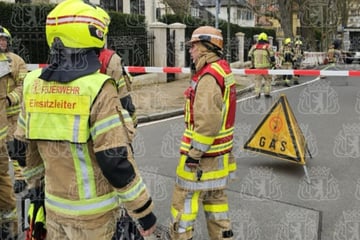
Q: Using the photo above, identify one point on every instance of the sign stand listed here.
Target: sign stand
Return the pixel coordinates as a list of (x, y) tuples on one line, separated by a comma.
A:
[(307, 174), (280, 136)]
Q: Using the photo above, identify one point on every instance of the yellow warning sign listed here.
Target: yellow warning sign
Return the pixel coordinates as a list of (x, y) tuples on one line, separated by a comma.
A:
[(278, 134)]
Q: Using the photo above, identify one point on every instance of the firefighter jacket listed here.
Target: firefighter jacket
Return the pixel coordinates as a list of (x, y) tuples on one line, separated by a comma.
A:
[(111, 64), (209, 125), (12, 72), (14, 80), (287, 55), (262, 55), (89, 168)]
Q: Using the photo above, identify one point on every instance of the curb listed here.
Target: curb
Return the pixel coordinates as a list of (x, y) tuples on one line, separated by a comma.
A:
[(180, 111)]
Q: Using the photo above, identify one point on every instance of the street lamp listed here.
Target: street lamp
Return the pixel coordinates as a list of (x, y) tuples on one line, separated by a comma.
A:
[(228, 55), (217, 11)]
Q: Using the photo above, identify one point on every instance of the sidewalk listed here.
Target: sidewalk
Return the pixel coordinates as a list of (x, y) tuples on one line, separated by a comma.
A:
[(162, 100)]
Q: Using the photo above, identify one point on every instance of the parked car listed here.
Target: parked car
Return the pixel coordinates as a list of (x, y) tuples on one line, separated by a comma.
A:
[(351, 56)]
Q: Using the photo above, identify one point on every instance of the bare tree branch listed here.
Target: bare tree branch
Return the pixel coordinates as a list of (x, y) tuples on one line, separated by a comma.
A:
[(180, 7)]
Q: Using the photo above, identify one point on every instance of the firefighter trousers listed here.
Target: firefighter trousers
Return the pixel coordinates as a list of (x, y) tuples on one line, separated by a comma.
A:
[(8, 214), (7, 196), (258, 83), (56, 231), (12, 123), (184, 210)]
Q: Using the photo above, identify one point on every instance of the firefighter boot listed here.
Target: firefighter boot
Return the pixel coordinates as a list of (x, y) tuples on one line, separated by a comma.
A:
[(296, 80), (287, 82)]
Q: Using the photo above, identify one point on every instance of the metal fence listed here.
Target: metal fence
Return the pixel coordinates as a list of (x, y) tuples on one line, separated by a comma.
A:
[(31, 46), (135, 50)]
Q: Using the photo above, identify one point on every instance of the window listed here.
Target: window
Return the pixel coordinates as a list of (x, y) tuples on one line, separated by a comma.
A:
[(113, 5), (137, 7), (195, 12)]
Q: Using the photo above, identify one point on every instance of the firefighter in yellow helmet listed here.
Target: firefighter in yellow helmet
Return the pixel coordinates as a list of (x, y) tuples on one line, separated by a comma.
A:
[(262, 56), (206, 163), (12, 72), (112, 65), (72, 118), (287, 59), (14, 79)]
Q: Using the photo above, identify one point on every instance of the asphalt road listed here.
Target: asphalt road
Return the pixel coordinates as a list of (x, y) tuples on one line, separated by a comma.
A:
[(271, 199)]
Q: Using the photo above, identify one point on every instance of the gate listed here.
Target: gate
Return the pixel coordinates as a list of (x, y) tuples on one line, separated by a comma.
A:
[(134, 49), (170, 58)]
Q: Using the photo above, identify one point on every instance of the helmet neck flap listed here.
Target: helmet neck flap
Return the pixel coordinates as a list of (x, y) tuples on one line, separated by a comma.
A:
[(68, 64)]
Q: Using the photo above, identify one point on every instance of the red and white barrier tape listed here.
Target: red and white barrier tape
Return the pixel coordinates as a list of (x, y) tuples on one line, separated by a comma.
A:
[(307, 72)]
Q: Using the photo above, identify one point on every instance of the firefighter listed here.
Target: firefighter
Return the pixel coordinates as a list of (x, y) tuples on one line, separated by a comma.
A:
[(262, 56), (331, 54), (17, 70), (12, 71), (72, 118), (112, 65), (298, 57), (206, 163), (287, 60)]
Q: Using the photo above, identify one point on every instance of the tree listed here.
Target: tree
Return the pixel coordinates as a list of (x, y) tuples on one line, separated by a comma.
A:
[(180, 7), (286, 12), (318, 18), (280, 10)]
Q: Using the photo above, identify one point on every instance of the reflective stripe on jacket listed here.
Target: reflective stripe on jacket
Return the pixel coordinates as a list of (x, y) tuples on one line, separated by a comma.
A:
[(55, 104), (261, 55), (223, 142), (82, 207), (3, 130), (216, 179)]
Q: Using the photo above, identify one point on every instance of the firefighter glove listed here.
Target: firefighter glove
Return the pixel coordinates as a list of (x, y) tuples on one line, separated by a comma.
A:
[(191, 162), (36, 215)]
